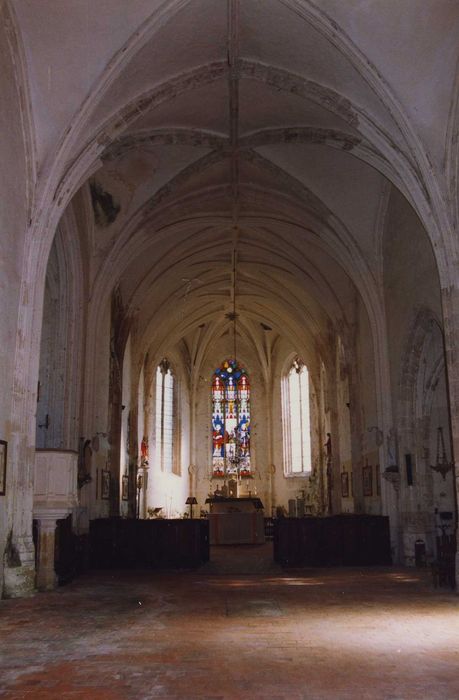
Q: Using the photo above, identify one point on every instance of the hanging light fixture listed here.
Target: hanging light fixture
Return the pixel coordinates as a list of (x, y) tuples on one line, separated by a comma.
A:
[(236, 458), (442, 466)]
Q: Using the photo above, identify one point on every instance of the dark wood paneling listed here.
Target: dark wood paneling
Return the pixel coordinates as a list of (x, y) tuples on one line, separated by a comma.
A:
[(71, 552), (149, 544), (338, 540)]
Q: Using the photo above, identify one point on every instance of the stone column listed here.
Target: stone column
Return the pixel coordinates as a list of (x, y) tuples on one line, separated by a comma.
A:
[(46, 576), (450, 299)]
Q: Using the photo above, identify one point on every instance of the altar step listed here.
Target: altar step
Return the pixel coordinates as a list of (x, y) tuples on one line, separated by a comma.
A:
[(241, 559)]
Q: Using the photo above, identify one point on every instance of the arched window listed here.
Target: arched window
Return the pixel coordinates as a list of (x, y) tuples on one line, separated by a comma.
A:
[(296, 420), (165, 412), (230, 420)]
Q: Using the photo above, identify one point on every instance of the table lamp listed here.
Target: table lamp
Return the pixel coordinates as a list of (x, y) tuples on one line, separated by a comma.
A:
[(191, 501)]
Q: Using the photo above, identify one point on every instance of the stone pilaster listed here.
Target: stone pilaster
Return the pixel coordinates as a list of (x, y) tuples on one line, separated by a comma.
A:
[(19, 570)]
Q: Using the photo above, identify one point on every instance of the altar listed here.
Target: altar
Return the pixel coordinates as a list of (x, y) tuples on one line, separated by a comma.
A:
[(236, 520)]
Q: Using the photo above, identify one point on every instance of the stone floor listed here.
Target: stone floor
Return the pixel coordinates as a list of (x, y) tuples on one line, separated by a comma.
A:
[(314, 634)]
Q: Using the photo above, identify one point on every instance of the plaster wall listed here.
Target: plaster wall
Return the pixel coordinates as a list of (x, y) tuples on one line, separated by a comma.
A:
[(390, 39), (97, 415), (88, 39), (141, 408), (50, 373), (411, 278), (344, 428), (369, 438), (418, 377), (60, 351)]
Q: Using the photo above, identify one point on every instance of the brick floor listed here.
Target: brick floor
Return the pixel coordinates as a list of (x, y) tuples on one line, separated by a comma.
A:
[(315, 634)]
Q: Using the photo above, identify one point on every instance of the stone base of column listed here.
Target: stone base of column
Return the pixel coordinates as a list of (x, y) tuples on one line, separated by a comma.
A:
[(19, 569)]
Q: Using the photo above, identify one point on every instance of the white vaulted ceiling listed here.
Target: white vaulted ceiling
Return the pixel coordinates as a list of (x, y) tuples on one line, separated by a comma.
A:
[(286, 118)]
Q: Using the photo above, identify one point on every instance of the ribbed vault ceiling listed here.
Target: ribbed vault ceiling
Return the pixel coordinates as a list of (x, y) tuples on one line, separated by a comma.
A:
[(259, 125)]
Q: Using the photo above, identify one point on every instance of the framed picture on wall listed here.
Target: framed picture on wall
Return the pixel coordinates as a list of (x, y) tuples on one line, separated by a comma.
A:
[(3, 453), (367, 479), (105, 485), (125, 488), (344, 485)]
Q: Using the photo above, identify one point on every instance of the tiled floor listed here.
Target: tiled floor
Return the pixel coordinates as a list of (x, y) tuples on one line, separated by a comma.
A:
[(335, 633)]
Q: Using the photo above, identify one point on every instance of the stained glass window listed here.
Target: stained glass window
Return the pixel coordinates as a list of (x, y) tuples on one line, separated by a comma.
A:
[(230, 420), (296, 420)]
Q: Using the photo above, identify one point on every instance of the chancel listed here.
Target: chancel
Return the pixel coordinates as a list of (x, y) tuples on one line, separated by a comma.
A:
[(229, 347)]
